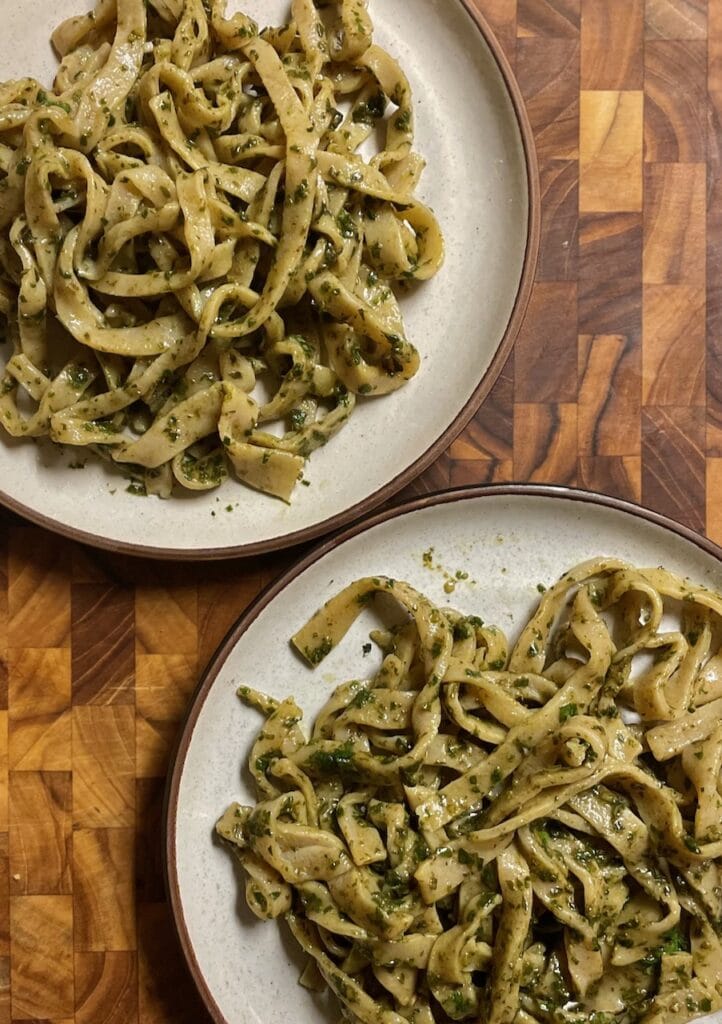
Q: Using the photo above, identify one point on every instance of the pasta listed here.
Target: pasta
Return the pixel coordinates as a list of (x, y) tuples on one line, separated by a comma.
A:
[(529, 834), (196, 263)]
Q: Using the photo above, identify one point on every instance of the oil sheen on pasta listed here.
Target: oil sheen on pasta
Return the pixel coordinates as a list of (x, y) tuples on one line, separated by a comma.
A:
[(196, 265), (504, 835)]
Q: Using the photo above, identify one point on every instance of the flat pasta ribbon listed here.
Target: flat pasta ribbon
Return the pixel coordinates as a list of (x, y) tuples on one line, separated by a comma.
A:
[(526, 834), (199, 271)]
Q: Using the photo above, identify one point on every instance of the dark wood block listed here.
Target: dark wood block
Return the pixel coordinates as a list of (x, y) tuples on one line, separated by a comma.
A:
[(673, 463), (545, 443), (618, 475), (106, 988), (610, 245), (552, 18), (610, 395), (501, 17), (610, 306), (103, 644), (675, 19), (674, 112), (490, 434), (559, 254), (165, 991), (481, 471), (40, 833), (548, 73), (612, 34), (553, 308)]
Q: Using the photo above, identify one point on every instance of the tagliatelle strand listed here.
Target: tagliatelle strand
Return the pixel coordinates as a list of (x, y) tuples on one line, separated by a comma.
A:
[(476, 833), (186, 223)]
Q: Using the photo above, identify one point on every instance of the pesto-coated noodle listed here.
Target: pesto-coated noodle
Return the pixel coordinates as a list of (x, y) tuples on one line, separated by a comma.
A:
[(504, 835), (185, 217)]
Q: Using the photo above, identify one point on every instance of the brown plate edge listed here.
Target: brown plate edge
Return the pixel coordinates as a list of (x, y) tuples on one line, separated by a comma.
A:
[(487, 381), (170, 803)]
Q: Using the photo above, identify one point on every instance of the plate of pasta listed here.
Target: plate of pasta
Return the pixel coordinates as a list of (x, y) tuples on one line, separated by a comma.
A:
[(462, 763), (236, 242)]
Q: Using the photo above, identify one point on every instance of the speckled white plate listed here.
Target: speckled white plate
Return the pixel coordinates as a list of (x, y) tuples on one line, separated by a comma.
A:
[(481, 180), (508, 539)]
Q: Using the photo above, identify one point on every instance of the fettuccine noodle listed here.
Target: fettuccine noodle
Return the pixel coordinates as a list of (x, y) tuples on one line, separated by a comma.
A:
[(193, 252), (479, 832)]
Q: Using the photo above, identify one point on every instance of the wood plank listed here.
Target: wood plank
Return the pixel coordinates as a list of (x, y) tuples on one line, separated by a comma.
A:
[(103, 766), (548, 73), (41, 959), (38, 589), (674, 223), (166, 995), (675, 19), (40, 833), (549, 18), (103, 644), (164, 685), (675, 108), (103, 889), (165, 620), (609, 396), (610, 151), (559, 257), (673, 468), (618, 475), (556, 305), (612, 35), (106, 988), (545, 443), (39, 687), (674, 350)]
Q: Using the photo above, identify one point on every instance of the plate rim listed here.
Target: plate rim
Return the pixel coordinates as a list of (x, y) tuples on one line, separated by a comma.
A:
[(390, 488), (169, 814)]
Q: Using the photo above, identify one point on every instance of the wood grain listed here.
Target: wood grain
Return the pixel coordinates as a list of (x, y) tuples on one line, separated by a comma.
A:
[(618, 475), (41, 959), (676, 19), (559, 258), (40, 833), (612, 36), (103, 766), (550, 18), (554, 304), (674, 112), (674, 437), (545, 443), (610, 150), (103, 644), (548, 73), (615, 384), (609, 396), (674, 223), (106, 988), (103, 875)]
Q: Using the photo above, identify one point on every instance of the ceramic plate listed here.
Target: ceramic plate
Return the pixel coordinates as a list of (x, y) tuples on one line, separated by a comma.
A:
[(508, 540), (481, 180)]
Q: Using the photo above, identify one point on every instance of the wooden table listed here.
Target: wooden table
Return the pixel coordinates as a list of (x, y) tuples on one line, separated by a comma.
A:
[(615, 384)]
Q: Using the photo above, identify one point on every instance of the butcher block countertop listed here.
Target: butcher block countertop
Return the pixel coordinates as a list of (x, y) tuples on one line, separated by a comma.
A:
[(614, 384)]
